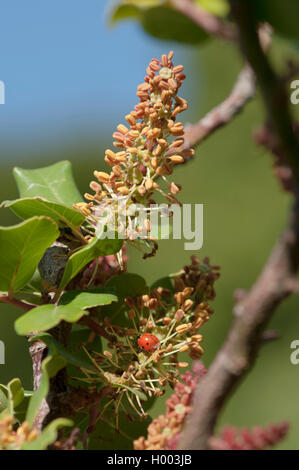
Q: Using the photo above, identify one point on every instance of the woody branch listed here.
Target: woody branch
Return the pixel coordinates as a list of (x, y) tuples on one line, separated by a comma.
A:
[(239, 351), (242, 92)]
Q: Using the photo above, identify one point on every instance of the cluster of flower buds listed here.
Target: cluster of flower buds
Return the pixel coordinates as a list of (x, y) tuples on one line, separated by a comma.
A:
[(11, 439), (257, 438), (201, 276), (171, 317), (148, 146), (164, 431), (175, 315)]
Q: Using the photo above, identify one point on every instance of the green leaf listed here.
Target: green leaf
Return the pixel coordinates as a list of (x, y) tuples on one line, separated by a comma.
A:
[(14, 400), (11, 396), (129, 9), (124, 285), (16, 392), (48, 436), (166, 23), (165, 282), (29, 207), (82, 257), (54, 183), (27, 296), (282, 15), (35, 283), (3, 398), (45, 317), (50, 366), (87, 298), (80, 337), (122, 12), (21, 409), (143, 3), (21, 248), (216, 7), (71, 308), (138, 393), (127, 285), (161, 21)]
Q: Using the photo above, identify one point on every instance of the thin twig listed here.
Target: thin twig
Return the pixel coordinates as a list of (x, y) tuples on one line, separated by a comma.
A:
[(243, 91), (17, 303)]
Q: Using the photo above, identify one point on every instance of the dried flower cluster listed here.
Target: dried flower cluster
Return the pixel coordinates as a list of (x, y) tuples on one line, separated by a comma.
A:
[(148, 143), (11, 439), (164, 432), (174, 315), (257, 438)]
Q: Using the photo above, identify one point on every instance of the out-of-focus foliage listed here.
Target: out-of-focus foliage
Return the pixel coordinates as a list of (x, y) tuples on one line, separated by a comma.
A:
[(216, 7), (179, 27), (160, 20)]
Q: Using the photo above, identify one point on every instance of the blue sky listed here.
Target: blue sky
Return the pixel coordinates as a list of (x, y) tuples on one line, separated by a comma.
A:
[(66, 72)]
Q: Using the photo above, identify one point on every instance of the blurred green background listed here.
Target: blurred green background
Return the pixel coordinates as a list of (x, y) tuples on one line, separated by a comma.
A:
[(244, 212)]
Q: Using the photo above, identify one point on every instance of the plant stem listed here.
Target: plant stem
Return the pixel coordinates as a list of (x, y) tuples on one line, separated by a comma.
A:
[(17, 303)]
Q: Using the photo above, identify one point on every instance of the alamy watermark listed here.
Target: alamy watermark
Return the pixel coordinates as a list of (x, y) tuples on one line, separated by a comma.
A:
[(2, 92), (294, 357), (295, 94), (157, 221), (2, 353)]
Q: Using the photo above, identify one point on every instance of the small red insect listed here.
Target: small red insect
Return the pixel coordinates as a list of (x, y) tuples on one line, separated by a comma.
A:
[(148, 342)]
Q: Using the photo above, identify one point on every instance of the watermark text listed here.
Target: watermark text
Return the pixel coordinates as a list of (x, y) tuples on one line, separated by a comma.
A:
[(294, 357), (295, 94), (2, 353), (158, 221)]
